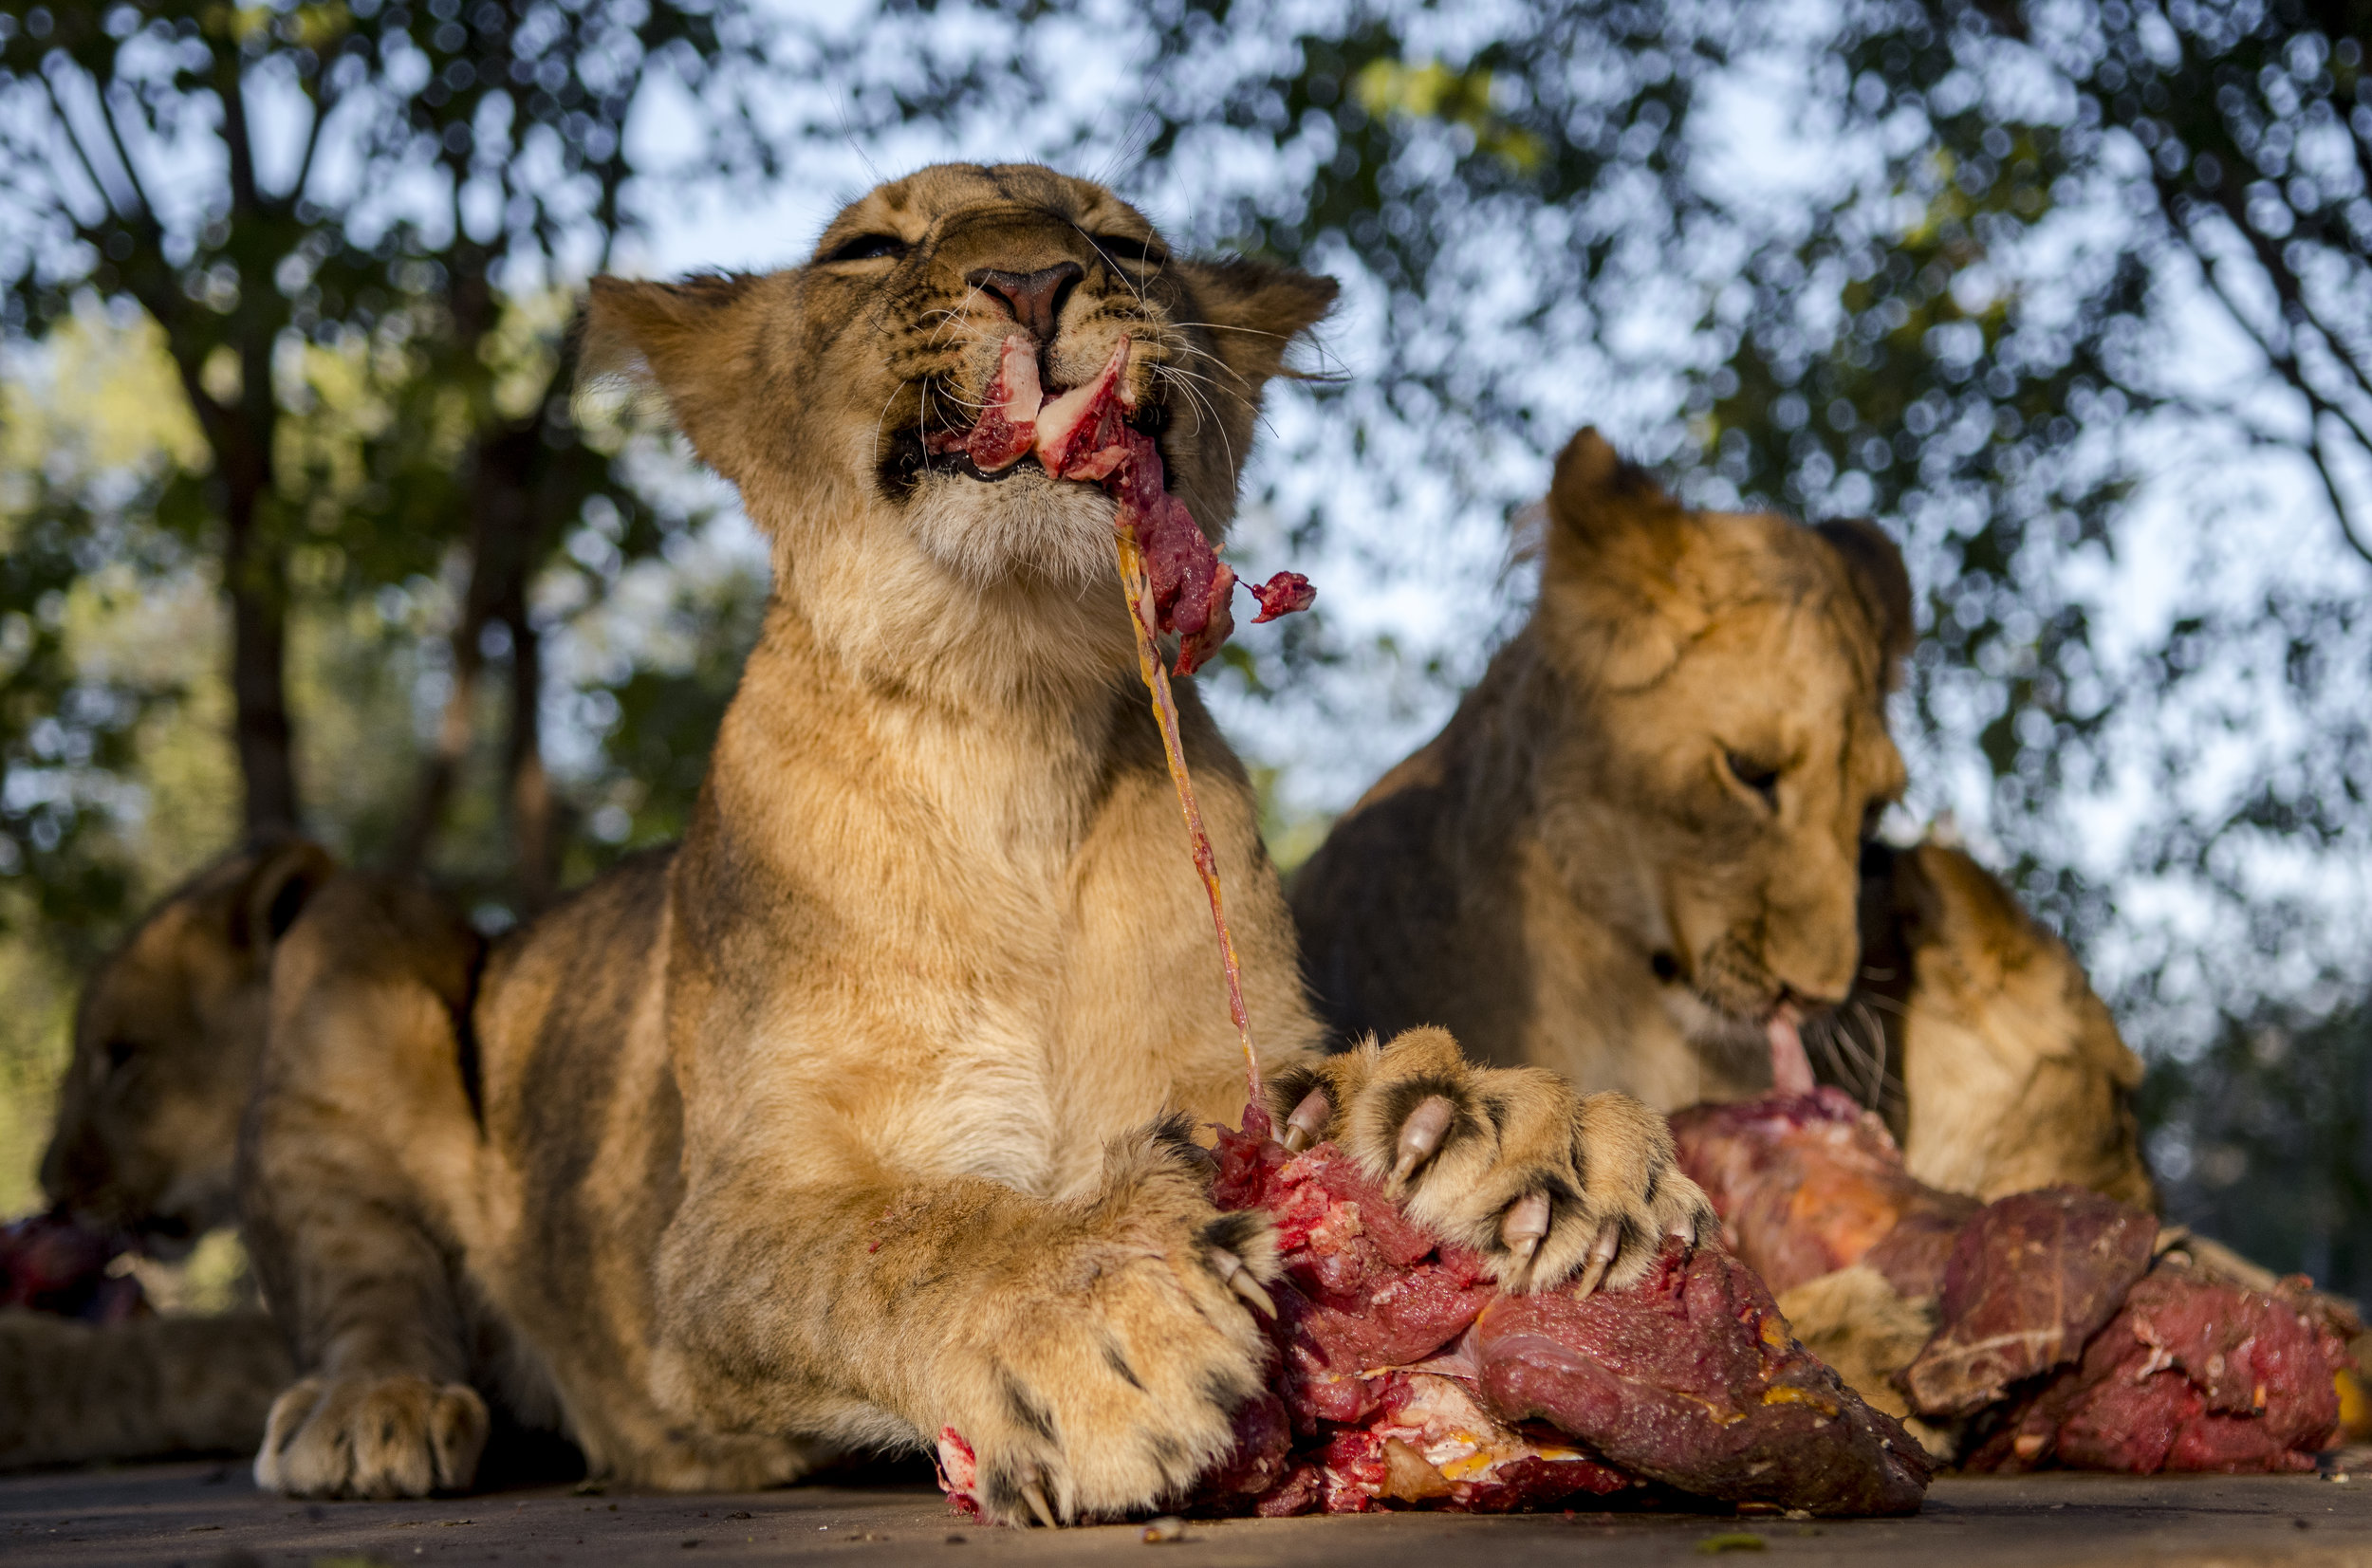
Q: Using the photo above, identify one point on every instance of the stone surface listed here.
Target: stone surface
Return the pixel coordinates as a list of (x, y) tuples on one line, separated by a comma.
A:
[(207, 1515)]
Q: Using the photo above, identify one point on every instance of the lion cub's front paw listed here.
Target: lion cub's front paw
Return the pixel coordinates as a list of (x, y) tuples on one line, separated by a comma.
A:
[(1510, 1161), (1098, 1369), (398, 1436)]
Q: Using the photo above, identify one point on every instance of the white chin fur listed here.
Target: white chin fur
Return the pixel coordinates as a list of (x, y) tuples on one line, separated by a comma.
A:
[(989, 531)]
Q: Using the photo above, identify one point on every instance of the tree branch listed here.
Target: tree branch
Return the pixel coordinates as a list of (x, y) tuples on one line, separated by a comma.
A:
[(2286, 287), (324, 104), (23, 163), (2330, 487), (2285, 363), (123, 157), (229, 87), (81, 154)]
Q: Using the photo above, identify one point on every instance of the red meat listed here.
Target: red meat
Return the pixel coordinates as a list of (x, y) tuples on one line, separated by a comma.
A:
[(1083, 433), (1692, 1378), (1808, 1184), (2031, 1280), (2193, 1373), (49, 1264), (1410, 1379), (2056, 1333)]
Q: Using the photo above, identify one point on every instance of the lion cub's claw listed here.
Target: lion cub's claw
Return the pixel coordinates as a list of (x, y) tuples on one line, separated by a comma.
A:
[(1099, 1368), (1547, 1185), (1034, 1494), (382, 1437), (1602, 1255), (1307, 1124), (1420, 1135), (1524, 1227), (1239, 1280)]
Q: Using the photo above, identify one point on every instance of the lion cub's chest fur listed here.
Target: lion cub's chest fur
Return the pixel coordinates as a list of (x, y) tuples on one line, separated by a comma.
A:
[(958, 941)]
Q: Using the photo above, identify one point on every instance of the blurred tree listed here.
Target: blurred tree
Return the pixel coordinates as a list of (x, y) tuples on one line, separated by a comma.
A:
[(293, 189), (1978, 344)]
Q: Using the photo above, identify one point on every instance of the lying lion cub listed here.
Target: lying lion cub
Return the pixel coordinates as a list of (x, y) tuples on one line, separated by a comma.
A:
[(1639, 839), (865, 1113), (165, 1046)]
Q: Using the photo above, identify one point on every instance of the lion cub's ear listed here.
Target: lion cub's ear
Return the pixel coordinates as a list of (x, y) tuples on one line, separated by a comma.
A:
[(693, 339), (1614, 573), (1881, 582), (268, 900), (1255, 310)]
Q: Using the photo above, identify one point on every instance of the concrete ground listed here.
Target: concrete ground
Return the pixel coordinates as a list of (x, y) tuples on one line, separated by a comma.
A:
[(209, 1516)]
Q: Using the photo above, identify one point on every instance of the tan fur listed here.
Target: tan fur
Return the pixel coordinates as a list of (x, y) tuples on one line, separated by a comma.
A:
[(166, 1042), (1859, 1324), (845, 1121), (1573, 873), (70, 1393), (2014, 1075)]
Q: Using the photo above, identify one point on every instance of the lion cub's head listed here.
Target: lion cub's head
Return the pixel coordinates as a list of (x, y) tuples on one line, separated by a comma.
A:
[(166, 1045), (817, 391), (1728, 674)]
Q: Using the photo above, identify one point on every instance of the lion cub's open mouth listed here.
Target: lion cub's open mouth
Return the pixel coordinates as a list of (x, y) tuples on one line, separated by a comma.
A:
[(1095, 432)]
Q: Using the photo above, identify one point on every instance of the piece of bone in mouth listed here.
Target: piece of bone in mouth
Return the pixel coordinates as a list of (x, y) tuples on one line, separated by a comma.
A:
[(1790, 1069), (1007, 429), (1081, 434)]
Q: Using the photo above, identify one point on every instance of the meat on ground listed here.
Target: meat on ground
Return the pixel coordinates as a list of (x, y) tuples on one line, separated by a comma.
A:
[(2057, 1336), (1408, 1380)]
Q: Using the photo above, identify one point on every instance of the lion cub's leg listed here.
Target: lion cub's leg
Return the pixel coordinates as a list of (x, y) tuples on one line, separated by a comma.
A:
[(71, 1392), (1510, 1161), (1092, 1351), (359, 1151)]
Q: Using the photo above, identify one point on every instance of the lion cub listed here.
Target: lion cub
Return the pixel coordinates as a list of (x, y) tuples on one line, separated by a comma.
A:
[(865, 1113), (1640, 836), (166, 1043)]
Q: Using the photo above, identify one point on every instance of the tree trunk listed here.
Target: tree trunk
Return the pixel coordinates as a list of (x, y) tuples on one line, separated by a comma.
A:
[(534, 834), (505, 538), (254, 578)]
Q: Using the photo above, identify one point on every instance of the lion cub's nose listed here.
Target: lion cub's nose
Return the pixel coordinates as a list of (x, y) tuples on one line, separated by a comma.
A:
[(1034, 298)]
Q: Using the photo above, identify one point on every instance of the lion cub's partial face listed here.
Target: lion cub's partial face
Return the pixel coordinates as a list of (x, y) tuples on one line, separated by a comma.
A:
[(814, 388), (166, 1045), (1731, 672)]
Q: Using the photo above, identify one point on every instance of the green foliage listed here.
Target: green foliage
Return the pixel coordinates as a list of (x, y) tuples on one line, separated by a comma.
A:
[(1968, 347), (364, 320)]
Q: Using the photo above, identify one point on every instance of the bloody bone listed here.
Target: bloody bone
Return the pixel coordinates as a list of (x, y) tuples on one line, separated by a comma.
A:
[(1083, 433), (1009, 412), (2056, 1333)]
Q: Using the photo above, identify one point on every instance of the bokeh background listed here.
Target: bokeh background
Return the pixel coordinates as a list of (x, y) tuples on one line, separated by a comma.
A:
[(301, 522)]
